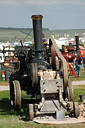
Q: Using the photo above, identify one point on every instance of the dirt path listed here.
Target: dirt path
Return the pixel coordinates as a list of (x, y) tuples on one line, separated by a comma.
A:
[(5, 85), (78, 82), (3, 88)]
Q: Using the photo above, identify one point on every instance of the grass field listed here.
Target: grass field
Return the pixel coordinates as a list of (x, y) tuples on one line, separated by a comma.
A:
[(14, 34), (12, 119)]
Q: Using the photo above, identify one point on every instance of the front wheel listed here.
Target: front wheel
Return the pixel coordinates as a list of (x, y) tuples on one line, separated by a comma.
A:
[(30, 109), (15, 95), (76, 109)]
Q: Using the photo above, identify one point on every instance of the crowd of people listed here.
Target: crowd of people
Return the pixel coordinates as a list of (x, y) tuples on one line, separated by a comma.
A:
[(78, 62)]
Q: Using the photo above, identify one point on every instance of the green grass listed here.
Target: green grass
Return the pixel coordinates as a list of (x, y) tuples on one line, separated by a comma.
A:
[(13, 34), (75, 79), (78, 90), (82, 75), (12, 119)]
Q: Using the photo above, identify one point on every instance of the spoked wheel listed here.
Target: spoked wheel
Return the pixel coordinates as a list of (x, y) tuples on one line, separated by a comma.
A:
[(70, 91), (76, 109), (30, 109), (15, 95)]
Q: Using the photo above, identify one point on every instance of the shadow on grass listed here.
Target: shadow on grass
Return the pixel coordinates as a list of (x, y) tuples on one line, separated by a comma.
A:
[(6, 109)]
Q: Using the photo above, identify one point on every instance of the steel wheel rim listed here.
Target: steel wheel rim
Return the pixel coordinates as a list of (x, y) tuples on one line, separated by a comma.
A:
[(70, 91), (15, 95), (31, 112)]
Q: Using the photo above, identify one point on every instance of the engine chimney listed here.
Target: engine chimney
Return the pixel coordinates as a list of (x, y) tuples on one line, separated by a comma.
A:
[(37, 31), (77, 42)]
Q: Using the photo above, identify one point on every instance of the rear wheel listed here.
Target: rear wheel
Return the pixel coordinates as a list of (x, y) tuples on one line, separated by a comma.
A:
[(70, 91)]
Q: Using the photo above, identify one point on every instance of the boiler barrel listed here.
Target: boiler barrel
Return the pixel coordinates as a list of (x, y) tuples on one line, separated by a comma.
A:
[(71, 57), (65, 55)]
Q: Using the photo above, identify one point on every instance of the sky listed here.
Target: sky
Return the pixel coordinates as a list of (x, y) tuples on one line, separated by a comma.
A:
[(57, 14)]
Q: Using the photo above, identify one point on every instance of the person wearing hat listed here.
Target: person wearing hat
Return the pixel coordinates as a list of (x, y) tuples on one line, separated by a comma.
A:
[(44, 41)]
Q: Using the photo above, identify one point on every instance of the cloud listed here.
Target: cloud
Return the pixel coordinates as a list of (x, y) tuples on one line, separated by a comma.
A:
[(70, 2), (33, 2), (9, 2), (75, 3), (22, 2), (41, 3)]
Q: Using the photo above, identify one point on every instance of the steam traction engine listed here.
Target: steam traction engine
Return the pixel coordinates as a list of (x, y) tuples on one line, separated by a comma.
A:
[(39, 75), (70, 52)]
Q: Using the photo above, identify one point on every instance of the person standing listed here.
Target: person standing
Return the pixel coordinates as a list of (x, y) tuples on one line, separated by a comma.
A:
[(74, 63), (84, 62), (79, 62), (44, 41)]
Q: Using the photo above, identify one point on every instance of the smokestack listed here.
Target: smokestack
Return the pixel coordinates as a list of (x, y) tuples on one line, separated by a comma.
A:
[(77, 42), (37, 31)]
